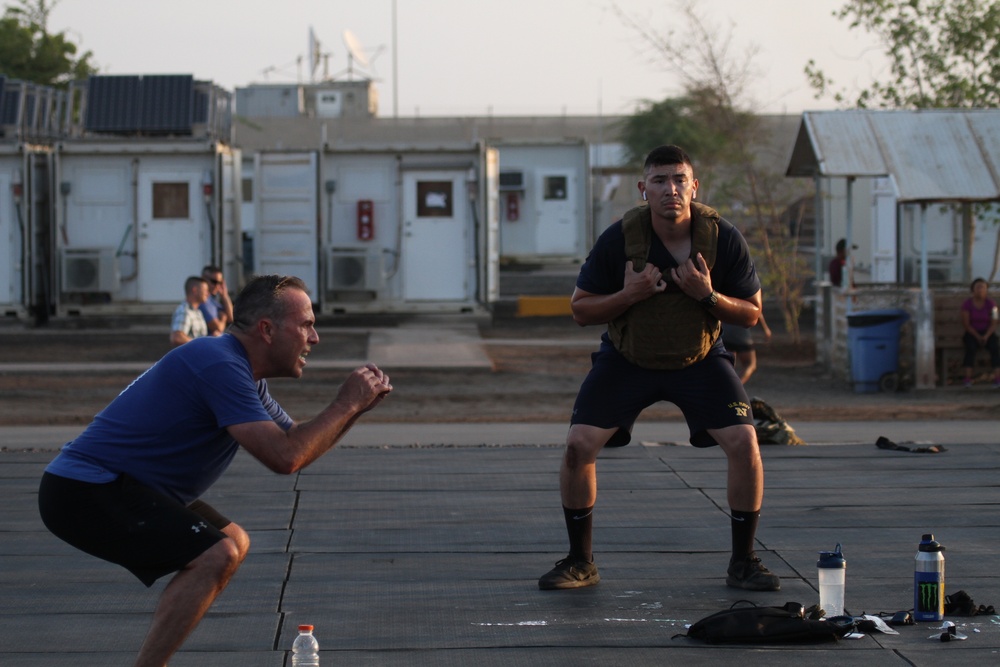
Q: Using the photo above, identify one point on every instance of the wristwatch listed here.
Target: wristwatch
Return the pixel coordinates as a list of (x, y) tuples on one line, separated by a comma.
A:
[(711, 301)]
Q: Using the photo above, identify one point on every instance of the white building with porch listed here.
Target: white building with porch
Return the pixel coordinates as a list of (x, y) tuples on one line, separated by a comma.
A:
[(906, 190)]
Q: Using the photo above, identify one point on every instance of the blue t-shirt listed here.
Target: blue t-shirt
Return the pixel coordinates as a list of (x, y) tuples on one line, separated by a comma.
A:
[(733, 273), (168, 428), (210, 309)]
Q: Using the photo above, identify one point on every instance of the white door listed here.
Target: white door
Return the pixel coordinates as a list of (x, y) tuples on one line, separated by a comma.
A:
[(558, 217), (883, 232), (285, 239), (171, 232), (435, 236)]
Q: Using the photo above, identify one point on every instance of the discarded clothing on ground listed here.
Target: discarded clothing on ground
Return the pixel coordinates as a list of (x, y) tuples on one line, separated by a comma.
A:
[(885, 443), (961, 604), (771, 428)]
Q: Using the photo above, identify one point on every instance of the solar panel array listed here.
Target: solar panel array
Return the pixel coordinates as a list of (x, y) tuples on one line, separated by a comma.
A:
[(131, 104), (29, 110)]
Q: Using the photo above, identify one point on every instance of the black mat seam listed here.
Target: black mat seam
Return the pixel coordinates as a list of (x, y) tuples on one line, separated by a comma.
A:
[(288, 568)]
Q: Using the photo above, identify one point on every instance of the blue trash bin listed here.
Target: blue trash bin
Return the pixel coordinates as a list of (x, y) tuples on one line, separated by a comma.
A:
[(873, 343)]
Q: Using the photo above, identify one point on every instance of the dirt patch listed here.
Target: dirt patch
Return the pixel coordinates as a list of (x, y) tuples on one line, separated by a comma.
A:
[(538, 369)]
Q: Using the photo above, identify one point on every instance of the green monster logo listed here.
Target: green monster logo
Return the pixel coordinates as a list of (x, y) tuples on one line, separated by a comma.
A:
[(929, 596)]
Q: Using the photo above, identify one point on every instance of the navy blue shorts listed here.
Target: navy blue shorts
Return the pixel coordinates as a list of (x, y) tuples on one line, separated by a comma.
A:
[(128, 524), (708, 392), (737, 339)]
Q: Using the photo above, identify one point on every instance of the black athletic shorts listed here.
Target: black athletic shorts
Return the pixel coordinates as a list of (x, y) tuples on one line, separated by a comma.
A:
[(737, 339), (708, 392), (126, 523)]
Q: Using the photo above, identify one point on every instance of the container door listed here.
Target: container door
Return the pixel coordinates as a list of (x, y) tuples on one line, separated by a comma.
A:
[(229, 230), (435, 235), (248, 216), (10, 240), (558, 217), (492, 249), (285, 238), (172, 237)]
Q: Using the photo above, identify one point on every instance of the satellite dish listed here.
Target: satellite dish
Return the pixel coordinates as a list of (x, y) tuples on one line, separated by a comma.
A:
[(313, 54), (355, 52)]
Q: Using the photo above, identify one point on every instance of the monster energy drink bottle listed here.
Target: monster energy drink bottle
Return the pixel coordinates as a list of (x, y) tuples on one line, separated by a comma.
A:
[(928, 581)]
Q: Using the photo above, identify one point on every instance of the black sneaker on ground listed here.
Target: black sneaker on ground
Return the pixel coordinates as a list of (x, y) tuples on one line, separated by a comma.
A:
[(570, 572), (751, 575)]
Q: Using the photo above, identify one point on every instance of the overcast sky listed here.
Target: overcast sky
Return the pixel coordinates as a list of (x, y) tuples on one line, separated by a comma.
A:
[(471, 57)]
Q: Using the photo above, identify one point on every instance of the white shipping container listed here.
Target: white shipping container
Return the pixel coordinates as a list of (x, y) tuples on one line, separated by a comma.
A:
[(145, 215)]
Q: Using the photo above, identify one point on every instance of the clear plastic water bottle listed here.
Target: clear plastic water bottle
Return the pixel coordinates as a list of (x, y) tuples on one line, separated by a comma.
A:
[(928, 581), (831, 570), (305, 648)]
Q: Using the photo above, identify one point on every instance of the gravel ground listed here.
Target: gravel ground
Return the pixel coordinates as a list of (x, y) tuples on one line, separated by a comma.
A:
[(538, 367)]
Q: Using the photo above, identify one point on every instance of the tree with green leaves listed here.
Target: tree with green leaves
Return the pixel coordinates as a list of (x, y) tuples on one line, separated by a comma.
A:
[(713, 121), (30, 53), (942, 54), (675, 120)]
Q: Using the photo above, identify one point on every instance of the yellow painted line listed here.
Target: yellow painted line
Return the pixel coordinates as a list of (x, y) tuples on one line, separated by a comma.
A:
[(543, 306)]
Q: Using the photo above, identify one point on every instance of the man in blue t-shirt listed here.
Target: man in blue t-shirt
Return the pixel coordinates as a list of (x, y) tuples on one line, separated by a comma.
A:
[(126, 490), (662, 344), (217, 309)]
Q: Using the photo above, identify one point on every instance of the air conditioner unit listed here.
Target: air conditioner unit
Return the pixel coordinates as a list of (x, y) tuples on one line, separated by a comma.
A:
[(90, 270), (354, 269), (511, 181)]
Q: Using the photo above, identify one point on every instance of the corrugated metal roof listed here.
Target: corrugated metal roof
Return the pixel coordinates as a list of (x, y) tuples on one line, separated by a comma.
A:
[(305, 133), (932, 155)]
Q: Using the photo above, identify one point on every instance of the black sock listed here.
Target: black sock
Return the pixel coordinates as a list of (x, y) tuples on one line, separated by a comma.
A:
[(744, 531), (580, 525)]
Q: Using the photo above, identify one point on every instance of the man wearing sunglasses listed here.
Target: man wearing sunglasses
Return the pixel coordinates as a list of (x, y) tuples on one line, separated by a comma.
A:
[(218, 310)]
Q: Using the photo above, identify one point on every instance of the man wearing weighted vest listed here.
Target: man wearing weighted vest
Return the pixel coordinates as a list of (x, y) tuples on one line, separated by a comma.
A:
[(664, 280)]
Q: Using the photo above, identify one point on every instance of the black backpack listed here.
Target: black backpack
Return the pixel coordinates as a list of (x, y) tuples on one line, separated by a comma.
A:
[(768, 625)]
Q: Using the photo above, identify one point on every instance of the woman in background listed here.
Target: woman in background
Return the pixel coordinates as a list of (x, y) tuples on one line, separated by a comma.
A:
[(979, 319)]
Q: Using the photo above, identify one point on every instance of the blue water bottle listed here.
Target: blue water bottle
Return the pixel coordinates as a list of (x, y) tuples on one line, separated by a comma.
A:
[(928, 581)]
